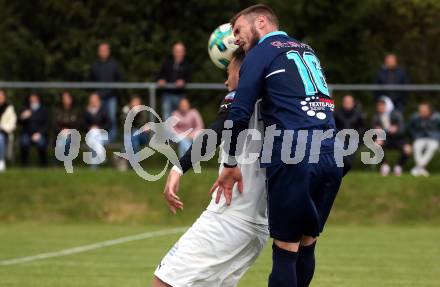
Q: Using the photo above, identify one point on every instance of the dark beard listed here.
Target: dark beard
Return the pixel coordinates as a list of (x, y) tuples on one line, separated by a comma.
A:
[(254, 39)]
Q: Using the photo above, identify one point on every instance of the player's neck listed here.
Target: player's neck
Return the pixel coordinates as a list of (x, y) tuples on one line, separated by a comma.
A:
[(267, 30)]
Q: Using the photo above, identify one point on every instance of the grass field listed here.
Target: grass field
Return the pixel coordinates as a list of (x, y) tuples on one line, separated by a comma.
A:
[(347, 256), (382, 232), (112, 197)]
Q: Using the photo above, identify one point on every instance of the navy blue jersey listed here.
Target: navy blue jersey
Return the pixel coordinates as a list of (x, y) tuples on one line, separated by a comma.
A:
[(287, 75)]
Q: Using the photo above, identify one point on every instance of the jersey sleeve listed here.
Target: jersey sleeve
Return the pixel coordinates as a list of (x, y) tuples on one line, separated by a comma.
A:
[(250, 88)]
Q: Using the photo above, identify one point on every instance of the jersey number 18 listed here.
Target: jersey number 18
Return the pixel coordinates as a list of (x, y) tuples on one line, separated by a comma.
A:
[(311, 72)]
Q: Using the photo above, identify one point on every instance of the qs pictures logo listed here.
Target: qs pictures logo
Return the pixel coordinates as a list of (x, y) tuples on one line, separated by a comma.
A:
[(162, 135)]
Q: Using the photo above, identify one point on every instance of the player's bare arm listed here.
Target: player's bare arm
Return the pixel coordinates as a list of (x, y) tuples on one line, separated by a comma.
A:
[(172, 185), (171, 190)]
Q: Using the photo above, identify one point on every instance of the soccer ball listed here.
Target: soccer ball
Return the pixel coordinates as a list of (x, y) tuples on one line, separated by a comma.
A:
[(221, 45)]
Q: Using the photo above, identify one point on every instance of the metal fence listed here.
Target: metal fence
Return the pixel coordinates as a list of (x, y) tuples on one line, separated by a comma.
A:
[(153, 87)]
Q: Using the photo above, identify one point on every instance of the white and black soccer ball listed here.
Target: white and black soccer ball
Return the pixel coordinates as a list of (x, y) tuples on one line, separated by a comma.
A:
[(221, 45)]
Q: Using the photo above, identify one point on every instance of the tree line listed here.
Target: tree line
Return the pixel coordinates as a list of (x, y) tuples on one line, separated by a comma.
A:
[(56, 40)]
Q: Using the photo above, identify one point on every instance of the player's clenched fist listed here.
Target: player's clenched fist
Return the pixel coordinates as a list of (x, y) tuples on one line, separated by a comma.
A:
[(225, 184), (171, 190)]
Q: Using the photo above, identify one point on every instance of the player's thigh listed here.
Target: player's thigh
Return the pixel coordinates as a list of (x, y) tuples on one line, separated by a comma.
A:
[(325, 189), (245, 259), (289, 202), (192, 256), (205, 253)]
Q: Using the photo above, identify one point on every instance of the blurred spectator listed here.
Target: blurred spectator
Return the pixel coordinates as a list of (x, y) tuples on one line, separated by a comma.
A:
[(391, 121), (188, 118), (391, 74), (136, 136), (424, 127), (138, 122), (350, 115), (8, 121), (65, 118), (35, 122), (96, 119), (175, 70), (107, 70)]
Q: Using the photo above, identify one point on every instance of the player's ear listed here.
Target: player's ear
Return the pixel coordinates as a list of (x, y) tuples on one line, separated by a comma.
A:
[(260, 21)]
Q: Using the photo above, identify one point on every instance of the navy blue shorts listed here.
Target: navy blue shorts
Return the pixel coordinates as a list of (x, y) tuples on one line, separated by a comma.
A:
[(300, 197)]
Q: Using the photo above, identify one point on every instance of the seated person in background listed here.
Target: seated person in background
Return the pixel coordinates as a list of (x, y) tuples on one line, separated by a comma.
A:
[(391, 121), (424, 128), (35, 122), (138, 140), (95, 120), (350, 116), (65, 118), (188, 119), (139, 120), (8, 121)]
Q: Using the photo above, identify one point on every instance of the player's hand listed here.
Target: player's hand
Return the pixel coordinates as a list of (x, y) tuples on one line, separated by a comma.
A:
[(225, 183), (171, 190)]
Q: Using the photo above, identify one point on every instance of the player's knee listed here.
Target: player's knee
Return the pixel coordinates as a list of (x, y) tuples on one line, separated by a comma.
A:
[(307, 240), (289, 246), (159, 283)]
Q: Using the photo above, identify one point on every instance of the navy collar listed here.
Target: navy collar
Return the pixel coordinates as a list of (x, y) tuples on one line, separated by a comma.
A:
[(275, 33)]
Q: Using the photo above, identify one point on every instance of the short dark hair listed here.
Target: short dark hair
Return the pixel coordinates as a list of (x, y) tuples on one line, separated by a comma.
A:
[(178, 43), (31, 94), (34, 93), (135, 96), (65, 92), (255, 10), (92, 94), (381, 101), (184, 99), (238, 55)]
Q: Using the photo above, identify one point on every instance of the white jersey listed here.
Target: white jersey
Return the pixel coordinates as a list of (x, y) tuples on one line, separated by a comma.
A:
[(251, 205), (205, 256)]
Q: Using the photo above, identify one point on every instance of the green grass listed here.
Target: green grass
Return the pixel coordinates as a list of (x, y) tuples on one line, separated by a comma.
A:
[(347, 256), (108, 196), (382, 231)]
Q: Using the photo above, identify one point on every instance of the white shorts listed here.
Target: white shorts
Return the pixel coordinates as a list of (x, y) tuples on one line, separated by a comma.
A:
[(216, 251)]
